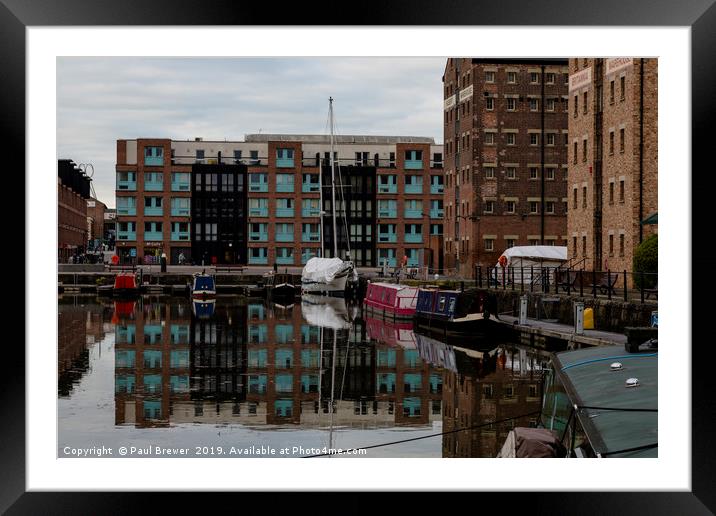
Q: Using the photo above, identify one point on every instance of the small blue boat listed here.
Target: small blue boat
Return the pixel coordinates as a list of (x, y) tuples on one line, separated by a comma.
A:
[(203, 286), (203, 309)]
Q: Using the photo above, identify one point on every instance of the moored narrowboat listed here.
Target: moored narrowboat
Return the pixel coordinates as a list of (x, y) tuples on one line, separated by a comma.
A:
[(390, 300), (203, 285), (393, 333), (125, 285)]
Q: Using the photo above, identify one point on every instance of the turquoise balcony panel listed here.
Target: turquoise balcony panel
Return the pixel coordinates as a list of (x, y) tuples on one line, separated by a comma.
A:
[(124, 358), (153, 211), (284, 357), (413, 260), (413, 214), (390, 213), (284, 237), (258, 260), (284, 212), (310, 187), (153, 236), (284, 382), (257, 384), (307, 255), (386, 383), (152, 333), (310, 212), (124, 384), (180, 236), (284, 260), (389, 261), (387, 188), (153, 186), (179, 383), (126, 235), (413, 164), (284, 187), (436, 189), (152, 359), (436, 213), (413, 238), (152, 409), (387, 237), (258, 186), (309, 383), (310, 237), (436, 383), (179, 359), (257, 311), (310, 357), (129, 210), (411, 407), (125, 334), (179, 333), (152, 383), (129, 186), (180, 186), (154, 161), (180, 212), (258, 333), (258, 358), (258, 212), (258, 236), (386, 358), (412, 382), (411, 358), (283, 408), (284, 162), (414, 189)]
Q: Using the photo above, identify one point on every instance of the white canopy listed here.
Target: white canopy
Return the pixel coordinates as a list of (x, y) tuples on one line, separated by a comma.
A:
[(537, 253), (325, 312), (527, 258), (323, 270)]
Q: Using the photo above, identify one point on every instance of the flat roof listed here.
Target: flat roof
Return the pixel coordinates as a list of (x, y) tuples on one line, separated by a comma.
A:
[(348, 138)]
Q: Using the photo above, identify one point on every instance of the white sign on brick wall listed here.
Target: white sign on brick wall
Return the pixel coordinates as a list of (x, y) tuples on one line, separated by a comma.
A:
[(617, 63), (449, 102), (466, 93), (579, 79)]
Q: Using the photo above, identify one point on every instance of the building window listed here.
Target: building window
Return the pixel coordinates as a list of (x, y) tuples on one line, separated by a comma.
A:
[(611, 245), (574, 153), (611, 92), (489, 103), (551, 138), (199, 155), (576, 105), (510, 206), (621, 191), (622, 88), (510, 242), (534, 173), (611, 193), (585, 104), (584, 197), (534, 78), (611, 142), (510, 138), (489, 173), (549, 104), (489, 244), (621, 244), (489, 138), (534, 104), (574, 246), (574, 198), (511, 173), (584, 151), (550, 78), (511, 104), (534, 139), (549, 174), (489, 206), (549, 207), (489, 76), (534, 207), (584, 246), (621, 140)]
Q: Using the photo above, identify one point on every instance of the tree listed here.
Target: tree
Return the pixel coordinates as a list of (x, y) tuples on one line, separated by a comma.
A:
[(646, 260)]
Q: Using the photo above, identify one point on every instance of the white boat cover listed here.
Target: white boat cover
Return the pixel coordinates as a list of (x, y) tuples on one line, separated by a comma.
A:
[(323, 270), (331, 314), (536, 253)]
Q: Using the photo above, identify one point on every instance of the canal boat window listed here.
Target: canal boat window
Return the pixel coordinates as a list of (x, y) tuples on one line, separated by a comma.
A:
[(441, 303), (452, 305)]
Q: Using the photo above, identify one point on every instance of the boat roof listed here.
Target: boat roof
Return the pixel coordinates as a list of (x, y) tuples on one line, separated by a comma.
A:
[(589, 381), (394, 286), (440, 290)]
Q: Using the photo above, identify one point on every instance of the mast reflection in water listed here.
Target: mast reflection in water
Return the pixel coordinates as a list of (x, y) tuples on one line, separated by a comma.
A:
[(231, 372)]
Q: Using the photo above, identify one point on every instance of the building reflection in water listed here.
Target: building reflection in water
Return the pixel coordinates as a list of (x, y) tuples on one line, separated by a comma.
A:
[(253, 363), (490, 386), (81, 323)]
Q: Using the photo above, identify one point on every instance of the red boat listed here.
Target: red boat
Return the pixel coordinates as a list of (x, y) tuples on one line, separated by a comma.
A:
[(391, 300), (393, 333), (125, 284)]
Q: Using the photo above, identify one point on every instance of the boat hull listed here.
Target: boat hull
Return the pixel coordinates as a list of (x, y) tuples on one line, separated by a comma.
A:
[(337, 287), (283, 291), (203, 294)]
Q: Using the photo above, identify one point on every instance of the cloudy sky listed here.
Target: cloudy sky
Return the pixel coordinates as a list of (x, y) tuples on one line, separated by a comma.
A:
[(100, 100)]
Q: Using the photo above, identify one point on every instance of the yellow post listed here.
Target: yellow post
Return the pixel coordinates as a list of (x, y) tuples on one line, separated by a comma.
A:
[(588, 319)]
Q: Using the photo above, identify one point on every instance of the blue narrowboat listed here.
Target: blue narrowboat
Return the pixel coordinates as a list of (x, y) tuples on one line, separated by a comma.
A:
[(203, 308), (203, 286)]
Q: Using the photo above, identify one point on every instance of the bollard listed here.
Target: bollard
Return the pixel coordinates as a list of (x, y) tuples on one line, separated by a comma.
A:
[(523, 309), (579, 318)]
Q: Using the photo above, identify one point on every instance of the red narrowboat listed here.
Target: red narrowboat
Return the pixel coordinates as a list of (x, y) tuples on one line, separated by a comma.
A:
[(125, 284), (391, 300), (393, 333)]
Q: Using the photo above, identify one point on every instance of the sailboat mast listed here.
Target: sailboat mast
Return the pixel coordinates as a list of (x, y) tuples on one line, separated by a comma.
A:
[(333, 182)]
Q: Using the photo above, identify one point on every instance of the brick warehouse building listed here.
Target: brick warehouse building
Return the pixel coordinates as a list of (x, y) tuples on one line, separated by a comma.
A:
[(73, 191), (505, 134), (392, 194), (612, 159)]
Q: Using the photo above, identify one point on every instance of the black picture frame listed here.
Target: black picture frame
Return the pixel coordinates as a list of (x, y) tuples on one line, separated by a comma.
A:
[(699, 15)]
